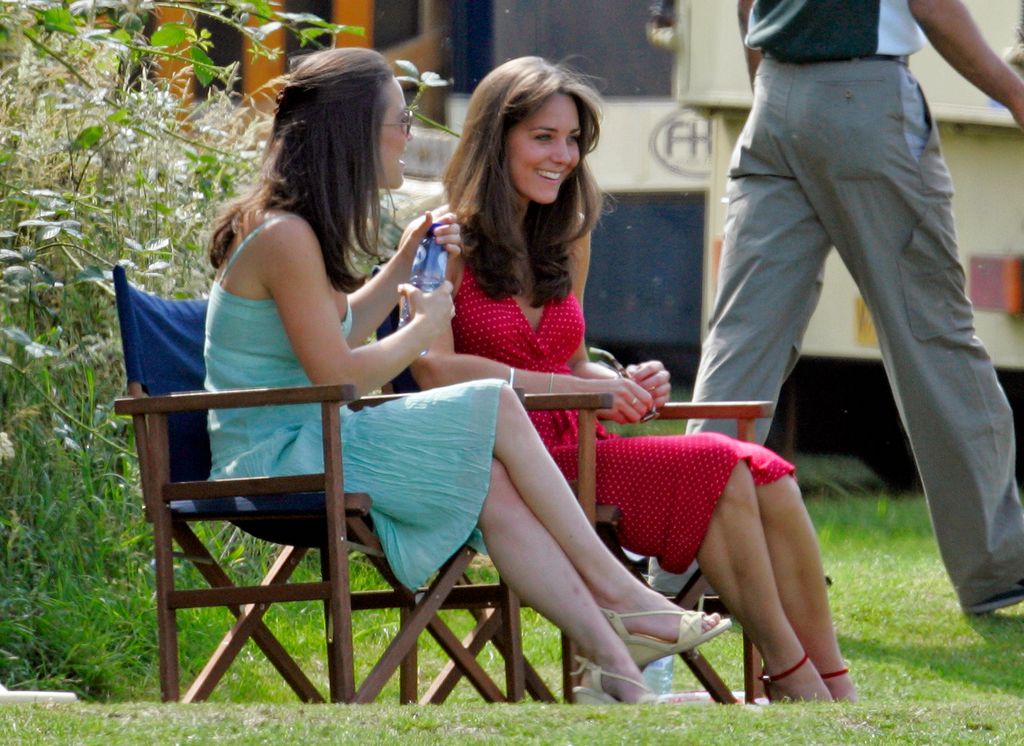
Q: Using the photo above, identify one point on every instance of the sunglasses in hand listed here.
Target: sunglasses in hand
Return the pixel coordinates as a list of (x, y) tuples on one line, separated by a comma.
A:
[(608, 359)]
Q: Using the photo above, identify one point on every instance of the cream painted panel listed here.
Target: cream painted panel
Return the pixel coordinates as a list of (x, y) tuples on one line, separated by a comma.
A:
[(711, 72)]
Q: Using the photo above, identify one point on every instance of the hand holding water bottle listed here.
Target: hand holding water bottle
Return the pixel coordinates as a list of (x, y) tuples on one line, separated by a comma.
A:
[(428, 268), (423, 296), (434, 308)]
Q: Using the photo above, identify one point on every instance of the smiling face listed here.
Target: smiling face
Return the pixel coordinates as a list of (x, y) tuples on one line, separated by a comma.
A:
[(393, 138), (543, 149)]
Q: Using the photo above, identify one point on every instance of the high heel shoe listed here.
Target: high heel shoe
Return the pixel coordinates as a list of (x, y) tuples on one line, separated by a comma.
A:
[(769, 680), (594, 694), (644, 648)]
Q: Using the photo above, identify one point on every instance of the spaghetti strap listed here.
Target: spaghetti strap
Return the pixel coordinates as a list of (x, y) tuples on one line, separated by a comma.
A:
[(245, 242)]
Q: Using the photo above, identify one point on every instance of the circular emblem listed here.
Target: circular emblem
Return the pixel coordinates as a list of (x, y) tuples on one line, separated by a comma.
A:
[(681, 142)]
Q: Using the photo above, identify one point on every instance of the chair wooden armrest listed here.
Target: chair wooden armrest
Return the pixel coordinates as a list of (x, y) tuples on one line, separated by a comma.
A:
[(746, 414), (725, 410), (590, 400), (191, 401)]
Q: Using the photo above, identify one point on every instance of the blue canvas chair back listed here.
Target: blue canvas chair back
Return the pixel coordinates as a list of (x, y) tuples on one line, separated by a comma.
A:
[(163, 343), (403, 383), (163, 352)]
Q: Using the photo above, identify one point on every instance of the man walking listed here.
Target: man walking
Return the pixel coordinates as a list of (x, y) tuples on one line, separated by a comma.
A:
[(840, 150)]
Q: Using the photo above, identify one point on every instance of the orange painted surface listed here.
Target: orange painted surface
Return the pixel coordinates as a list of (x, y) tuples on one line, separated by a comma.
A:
[(258, 72), (354, 13)]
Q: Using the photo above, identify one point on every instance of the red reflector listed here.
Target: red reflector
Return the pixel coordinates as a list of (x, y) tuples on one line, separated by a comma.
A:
[(995, 283)]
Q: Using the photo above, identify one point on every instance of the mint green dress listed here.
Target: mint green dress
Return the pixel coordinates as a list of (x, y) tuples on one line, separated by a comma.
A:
[(425, 460)]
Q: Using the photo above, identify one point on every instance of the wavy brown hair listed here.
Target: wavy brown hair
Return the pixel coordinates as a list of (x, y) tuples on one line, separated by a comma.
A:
[(322, 161), (499, 244)]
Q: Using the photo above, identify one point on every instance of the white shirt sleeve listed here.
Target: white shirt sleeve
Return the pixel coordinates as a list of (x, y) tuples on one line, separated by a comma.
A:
[(898, 32)]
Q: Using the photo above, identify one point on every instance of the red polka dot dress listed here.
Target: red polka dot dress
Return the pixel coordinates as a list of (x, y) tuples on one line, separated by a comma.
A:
[(665, 486)]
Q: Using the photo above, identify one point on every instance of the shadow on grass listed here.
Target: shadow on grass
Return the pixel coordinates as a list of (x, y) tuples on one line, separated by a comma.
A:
[(917, 669)]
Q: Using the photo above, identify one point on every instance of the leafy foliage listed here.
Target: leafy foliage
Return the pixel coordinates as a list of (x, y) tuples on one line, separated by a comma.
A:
[(102, 161), (106, 157)]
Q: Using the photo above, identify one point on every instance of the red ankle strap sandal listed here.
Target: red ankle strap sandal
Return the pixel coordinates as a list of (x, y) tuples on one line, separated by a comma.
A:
[(780, 676), (768, 680), (833, 674)]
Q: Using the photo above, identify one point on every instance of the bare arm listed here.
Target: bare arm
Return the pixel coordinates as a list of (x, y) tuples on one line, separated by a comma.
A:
[(753, 56), (954, 34), (290, 267)]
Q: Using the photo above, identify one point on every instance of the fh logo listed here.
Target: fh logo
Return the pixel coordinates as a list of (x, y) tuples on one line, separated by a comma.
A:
[(682, 143)]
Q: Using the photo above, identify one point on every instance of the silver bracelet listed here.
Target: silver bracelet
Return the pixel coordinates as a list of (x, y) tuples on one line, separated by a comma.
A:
[(511, 376)]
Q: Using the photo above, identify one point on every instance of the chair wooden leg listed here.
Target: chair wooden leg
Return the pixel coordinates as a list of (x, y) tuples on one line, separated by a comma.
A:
[(568, 666), (335, 657), (167, 624), (465, 661), (249, 617), (488, 629), (487, 625), (421, 615), (511, 635), (708, 677), (753, 687), (249, 622), (339, 632), (408, 670)]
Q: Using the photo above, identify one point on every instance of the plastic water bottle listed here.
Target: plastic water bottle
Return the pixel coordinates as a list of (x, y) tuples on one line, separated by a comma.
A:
[(659, 675), (428, 268)]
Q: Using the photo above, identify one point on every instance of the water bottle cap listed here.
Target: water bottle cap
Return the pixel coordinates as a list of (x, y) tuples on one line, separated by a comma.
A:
[(430, 230)]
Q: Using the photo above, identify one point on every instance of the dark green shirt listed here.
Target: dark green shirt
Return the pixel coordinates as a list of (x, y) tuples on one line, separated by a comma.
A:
[(822, 30)]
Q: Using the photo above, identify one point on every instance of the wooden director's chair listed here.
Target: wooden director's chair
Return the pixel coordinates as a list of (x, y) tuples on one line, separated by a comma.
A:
[(163, 348), (695, 593)]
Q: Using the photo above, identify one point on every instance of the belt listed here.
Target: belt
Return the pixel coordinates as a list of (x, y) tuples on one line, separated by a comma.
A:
[(900, 58)]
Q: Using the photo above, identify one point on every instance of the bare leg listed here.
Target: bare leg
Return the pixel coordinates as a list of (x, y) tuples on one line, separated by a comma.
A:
[(547, 495), (735, 558), (537, 569), (800, 578)]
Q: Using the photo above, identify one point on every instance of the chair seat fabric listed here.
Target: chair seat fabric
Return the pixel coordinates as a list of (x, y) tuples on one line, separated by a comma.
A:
[(282, 519), (425, 459), (239, 508)]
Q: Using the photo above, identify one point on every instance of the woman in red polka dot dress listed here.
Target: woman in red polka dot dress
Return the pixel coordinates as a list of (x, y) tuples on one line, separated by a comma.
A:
[(527, 203)]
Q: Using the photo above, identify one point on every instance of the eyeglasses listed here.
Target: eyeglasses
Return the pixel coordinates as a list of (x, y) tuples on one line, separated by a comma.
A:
[(608, 359), (404, 121)]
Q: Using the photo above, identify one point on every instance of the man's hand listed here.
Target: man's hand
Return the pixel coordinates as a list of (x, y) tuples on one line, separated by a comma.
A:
[(954, 34)]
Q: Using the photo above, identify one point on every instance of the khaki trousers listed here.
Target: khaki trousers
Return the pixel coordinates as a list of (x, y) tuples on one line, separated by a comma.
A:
[(827, 159)]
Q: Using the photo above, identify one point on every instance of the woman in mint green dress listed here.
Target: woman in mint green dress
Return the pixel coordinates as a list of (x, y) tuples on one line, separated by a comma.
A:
[(457, 464)]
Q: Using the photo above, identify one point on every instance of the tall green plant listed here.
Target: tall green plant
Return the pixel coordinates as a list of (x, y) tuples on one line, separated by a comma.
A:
[(100, 162)]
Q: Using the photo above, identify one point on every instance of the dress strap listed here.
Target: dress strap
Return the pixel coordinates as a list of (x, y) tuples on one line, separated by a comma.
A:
[(245, 242)]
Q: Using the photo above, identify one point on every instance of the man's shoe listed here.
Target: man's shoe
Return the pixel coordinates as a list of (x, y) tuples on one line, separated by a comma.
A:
[(998, 601)]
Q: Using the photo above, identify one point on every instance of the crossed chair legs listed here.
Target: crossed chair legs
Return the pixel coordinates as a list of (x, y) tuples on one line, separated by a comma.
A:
[(494, 606)]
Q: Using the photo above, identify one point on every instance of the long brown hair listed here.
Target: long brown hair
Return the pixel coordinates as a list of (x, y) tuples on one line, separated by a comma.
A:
[(480, 191), (322, 161)]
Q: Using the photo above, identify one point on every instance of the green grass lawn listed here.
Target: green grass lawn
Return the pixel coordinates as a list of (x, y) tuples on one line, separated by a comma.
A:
[(927, 673)]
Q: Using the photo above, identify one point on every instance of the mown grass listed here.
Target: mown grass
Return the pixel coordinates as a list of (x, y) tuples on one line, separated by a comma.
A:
[(130, 177), (994, 721), (926, 672)]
